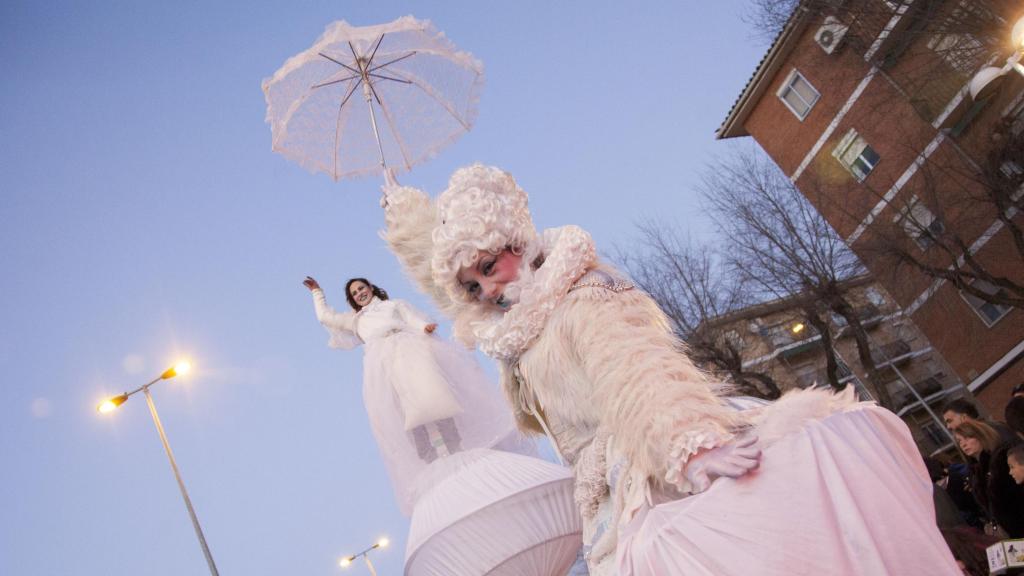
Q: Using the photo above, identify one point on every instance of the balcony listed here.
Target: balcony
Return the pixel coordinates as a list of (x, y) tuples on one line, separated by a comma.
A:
[(895, 352), (930, 389), (799, 347), (820, 377), (869, 315)]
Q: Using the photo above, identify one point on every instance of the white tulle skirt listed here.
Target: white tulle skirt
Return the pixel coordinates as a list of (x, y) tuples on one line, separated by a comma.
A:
[(844, 496), (488, 512), (405, 357)]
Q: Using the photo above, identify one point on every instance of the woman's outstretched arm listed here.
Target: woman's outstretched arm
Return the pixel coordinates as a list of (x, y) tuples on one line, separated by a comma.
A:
[(341, 325)]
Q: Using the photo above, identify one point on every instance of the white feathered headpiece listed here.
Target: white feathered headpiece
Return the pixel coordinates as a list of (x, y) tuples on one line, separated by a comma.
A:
[(482, 209)]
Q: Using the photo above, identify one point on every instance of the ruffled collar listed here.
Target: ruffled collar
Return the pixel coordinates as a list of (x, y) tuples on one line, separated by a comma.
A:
[(568, 253), (370, 305)]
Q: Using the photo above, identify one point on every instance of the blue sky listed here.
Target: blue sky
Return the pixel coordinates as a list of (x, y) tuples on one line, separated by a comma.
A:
[(145, 217)]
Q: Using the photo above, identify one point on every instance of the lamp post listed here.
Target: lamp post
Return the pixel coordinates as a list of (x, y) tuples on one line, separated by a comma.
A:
[(111, 404), (798, 328), (347, 560), (987, 79)]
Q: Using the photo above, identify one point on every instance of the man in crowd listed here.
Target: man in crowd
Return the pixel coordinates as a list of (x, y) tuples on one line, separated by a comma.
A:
[(956, 412)]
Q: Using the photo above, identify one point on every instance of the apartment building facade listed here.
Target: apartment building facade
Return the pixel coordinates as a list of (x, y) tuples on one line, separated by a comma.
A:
[(774, 339), (864, 104)]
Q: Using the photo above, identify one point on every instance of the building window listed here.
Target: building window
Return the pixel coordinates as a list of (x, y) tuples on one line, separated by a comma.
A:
[(734, 339), (954, 42), (875, 297), (919, 223), (990, 313), (855, 155), (798, 94), (1016, 116), (963, 52), (1011, 169)]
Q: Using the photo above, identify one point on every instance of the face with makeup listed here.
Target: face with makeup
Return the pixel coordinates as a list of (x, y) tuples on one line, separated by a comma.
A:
[(361, 293), (488, 279)]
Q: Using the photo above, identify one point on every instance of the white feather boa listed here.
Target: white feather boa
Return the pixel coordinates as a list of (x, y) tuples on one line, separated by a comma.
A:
[(568, 253)]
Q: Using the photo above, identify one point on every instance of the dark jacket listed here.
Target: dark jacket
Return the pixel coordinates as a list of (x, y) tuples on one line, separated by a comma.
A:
[(996, 492)]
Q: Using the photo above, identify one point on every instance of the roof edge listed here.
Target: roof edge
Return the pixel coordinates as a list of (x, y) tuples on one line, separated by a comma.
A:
[(732, 126)]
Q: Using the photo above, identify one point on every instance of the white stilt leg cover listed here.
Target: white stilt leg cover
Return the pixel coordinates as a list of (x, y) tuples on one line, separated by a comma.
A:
[(495, 513)]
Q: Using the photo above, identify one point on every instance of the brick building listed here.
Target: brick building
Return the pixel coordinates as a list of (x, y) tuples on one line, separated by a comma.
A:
[(864, 105), (774, 340)]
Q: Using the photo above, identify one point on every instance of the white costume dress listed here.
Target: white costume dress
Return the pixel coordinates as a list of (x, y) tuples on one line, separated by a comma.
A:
[(841, 489), (480, 502), (417, 388)]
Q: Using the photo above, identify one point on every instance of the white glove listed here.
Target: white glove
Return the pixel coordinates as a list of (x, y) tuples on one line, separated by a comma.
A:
[(731, 460), (390, 183)]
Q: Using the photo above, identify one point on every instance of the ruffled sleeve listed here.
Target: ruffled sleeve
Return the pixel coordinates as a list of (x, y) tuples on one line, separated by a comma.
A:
[(658, 406), (340, 325)]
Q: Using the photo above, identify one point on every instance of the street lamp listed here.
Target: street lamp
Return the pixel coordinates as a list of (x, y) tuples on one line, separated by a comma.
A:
[(987, 80), (111, 404), (347, 560)]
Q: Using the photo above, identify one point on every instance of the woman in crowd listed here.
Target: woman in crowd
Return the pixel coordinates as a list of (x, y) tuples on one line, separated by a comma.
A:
[(991, 484)]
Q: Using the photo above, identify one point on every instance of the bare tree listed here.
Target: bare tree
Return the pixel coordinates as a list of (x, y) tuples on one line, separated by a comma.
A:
[(934, 230), (781, 247), (693, 289)]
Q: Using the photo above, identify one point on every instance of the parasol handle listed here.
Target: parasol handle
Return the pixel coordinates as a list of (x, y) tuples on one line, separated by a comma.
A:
[(373, 121), (389, 182), (388, 178)]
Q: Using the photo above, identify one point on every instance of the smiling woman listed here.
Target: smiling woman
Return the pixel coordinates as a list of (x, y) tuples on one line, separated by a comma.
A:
[(415, 386), (992, 485), (458, 466)]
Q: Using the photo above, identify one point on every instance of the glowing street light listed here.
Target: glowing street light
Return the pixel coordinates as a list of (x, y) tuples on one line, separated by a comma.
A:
[(987, 80), (111, 404), (348, 560)]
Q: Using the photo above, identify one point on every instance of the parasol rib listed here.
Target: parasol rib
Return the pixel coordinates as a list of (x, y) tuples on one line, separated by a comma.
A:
[(382, 77), (322, 84), (337, 125), (374, 51), (394, 131), (339, 62), (389, 63), (430, 92)]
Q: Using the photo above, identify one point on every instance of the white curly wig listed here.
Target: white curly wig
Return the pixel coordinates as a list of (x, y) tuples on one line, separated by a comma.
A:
[(482, 209)]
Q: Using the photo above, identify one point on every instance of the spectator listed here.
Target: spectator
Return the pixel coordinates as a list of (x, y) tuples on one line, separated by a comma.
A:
[(996, 492), (1014, 414), (1015, 461), (947, 514), (958, 485), (960, 410), (957, 411), (1018, 391)]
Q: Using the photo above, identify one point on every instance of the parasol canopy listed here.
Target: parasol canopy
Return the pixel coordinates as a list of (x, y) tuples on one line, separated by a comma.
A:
[(364, 99)]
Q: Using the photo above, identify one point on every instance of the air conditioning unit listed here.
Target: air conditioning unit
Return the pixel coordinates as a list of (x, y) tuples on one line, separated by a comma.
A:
[(830, 34)]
